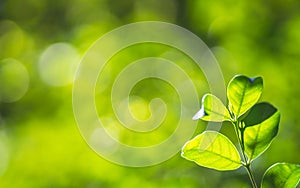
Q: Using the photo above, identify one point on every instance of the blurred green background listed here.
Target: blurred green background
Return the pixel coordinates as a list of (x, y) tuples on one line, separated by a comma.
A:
[(41, 43)]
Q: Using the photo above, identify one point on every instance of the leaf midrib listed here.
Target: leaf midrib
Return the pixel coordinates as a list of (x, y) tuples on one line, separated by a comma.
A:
[(217, 113), (221, 156), (242, 99)]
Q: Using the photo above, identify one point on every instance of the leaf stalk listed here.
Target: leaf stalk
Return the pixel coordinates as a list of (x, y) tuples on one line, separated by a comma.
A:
[(250, 174), (239, 130)]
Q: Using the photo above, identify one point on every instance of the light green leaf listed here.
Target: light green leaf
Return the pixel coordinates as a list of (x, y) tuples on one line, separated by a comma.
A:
[(212, 109), (259, 137), (212, 150), (243, 93), (281, 175)]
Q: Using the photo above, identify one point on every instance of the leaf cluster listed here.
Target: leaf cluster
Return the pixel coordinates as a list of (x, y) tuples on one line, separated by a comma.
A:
[(256, 125)]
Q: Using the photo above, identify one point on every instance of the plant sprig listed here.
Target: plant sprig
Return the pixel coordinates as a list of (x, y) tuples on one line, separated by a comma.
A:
[(255, 124)]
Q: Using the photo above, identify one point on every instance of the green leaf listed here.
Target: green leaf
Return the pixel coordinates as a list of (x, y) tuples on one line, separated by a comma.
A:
[(281, 175), (212, 150), (243, 93), (258, 137), (259, 113), (212, 109)]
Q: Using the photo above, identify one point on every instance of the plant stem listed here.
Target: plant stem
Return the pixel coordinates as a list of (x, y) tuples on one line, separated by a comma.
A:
[(242, 144), (247, 166), (240, 136), (240, 139)]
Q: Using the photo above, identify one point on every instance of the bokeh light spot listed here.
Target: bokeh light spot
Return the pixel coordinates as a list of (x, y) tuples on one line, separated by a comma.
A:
[(14, 80), (58, 63)]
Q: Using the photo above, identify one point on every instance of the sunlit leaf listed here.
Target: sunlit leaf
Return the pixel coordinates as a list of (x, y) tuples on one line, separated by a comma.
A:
[(259, 137), (281, 175), (212, 109), (212, 150), (243, 93)]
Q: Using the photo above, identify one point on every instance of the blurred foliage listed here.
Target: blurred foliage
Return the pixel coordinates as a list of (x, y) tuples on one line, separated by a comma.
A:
[(40, 145)]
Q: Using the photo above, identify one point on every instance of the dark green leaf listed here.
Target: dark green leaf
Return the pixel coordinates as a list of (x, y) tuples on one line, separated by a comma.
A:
[(259, 137), (212, 150), (212, 109), (243, 93), (281, 175), (259, 113)]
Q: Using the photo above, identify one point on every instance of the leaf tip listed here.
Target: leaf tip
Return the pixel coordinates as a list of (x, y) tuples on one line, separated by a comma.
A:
[(252, 79), (201, 113)]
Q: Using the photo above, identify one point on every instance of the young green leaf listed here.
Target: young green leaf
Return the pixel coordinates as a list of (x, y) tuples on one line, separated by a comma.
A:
[(243, 93), (212, 150), (212, 109), (281, 175), (259, 137)]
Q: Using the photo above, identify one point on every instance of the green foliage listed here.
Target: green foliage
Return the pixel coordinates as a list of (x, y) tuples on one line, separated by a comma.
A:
[(258, 136), (253, 37), (255, 124), (213, 150), (212, 109), (283, 175), (243, 93)]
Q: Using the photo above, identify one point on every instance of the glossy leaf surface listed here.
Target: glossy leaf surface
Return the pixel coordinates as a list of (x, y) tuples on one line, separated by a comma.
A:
[(212, 150), (243, 93)]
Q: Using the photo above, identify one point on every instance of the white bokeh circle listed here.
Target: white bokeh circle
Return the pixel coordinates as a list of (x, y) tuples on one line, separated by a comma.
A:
[(58, 64), (91, 125)]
